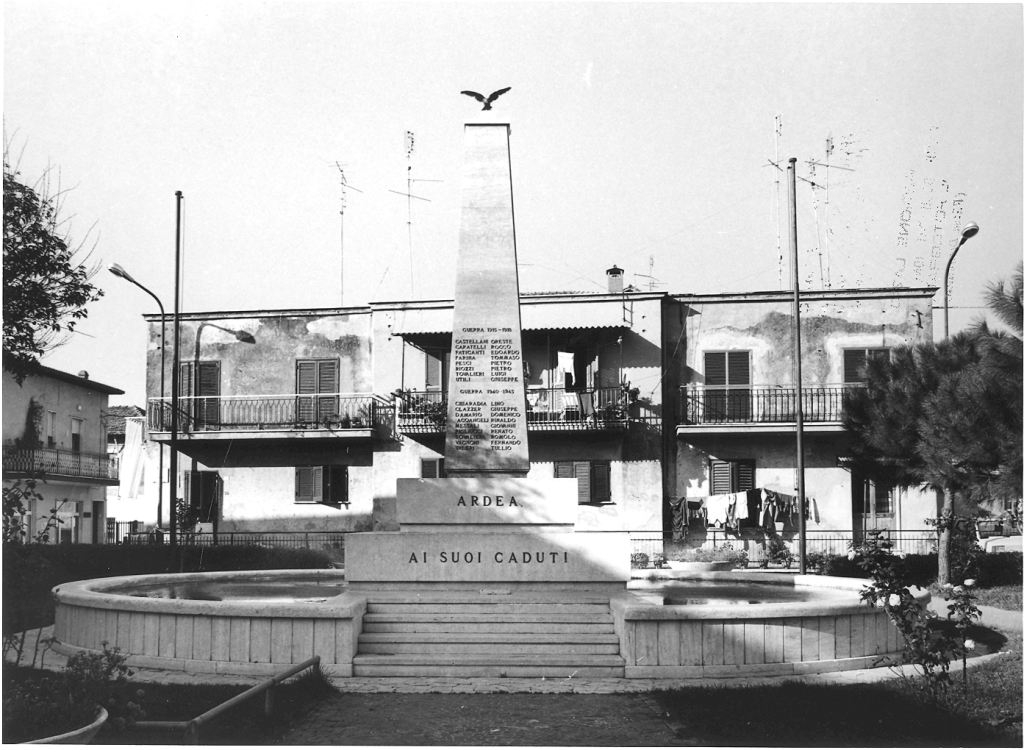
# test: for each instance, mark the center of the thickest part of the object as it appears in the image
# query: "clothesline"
(760, 507)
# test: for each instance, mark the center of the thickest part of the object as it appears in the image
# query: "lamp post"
(968, 231)
(121, 273)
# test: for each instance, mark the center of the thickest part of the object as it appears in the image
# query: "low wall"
(792, 638)
(228, 637)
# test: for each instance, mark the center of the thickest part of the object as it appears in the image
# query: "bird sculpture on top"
(487, 101)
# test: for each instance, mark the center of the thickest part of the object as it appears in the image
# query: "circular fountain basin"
(716, 625)
(230, 622)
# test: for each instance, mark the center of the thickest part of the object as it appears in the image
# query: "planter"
(701, 567)
(81, 736)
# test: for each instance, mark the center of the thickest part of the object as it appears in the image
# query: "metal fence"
(54, 462)
(205, 413)
(760, 404)
(118, 531)
(831, 542)
(322, 540)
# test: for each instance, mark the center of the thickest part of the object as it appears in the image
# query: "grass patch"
(894, 713)
(1002, 597)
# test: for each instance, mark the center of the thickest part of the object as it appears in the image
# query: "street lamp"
(121, 273)
(968, 231)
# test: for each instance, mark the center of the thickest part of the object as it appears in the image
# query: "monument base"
(421, 557)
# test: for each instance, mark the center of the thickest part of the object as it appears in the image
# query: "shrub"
(999, 568)
(725, 553)
(638, 560)
(776, 550)
(36, 707)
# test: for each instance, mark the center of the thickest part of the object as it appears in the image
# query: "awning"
(534, 317)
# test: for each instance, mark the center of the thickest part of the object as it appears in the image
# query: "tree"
(46, 288)
(947, 415)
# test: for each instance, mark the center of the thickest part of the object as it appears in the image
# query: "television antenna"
(410, 146)
(344, 201)
(651, 280)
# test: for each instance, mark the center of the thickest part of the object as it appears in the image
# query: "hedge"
(32, 570)
(991, 568)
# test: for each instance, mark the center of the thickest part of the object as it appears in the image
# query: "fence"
(118, 531)
(54, 462)
(326, 540)
(761, 404)
(831, 542)
(205, 413)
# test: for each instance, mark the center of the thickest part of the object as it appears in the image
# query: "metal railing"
(332, 540)
(334, 411)
(60, 463)
(118, 531)
(702, 404)
(191, 728)
(546, 409)
(830, 542)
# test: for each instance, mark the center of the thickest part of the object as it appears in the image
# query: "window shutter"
(853, 365)
(336, 491)
(305, 377)
(328, 376)
(185, 379)
(602, 482)
(303, 484)
(739, 368)
(432, 468)
(563, 470)
(714, 368)
(583, 479)
(744, 476)
(209, 379)
(318, 484)
(721, 477)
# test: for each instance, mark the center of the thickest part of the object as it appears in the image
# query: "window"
(436, 376)
(327, 485)
(725, 374)
(854, 361)
(319, 377)
(51, 429)
(203, 490)
(731, 476)
(76, 434)
(870, 498)
(593, 479)
(205, 409)
(432, 468)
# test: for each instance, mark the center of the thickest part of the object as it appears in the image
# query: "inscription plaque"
(486, 428)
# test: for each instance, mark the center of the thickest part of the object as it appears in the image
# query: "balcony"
(547, 410)
(750, 408)
(334, 413)
(50, 463)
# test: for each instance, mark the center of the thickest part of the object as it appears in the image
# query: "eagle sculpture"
(489, 99)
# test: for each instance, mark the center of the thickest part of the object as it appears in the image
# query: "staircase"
(440, 634)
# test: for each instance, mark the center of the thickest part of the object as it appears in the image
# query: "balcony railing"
(546, 409)
(750, 404)
(57, 463)
(320, 411)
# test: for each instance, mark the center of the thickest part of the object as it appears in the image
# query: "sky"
(642, 135)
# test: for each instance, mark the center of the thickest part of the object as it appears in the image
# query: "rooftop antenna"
(410, 146)
(344, 200)
(778, 202)
(651, 280)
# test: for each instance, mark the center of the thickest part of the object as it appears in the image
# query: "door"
(204, 411)
(727, 386)
(873, 507)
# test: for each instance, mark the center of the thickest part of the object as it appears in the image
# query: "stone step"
(469, 597)
(487, 670)
(510, 608)
(458, 628)
(569, 618)
(564, 666)
(487, 650)
(493, 638)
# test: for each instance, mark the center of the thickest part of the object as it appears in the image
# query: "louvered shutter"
(721, 477)
(328, 382)
(602, 483)
(714, 368)
(305, 383)
(581, 469)
(207, 407)
(304, 479)
(739, 368)
(336, 491)
(432, 468)
(853, 365)
(744, 476)
(563, 470)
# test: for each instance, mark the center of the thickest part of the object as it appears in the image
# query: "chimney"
(614, 280)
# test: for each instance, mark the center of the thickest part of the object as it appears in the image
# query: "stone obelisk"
(486, 429)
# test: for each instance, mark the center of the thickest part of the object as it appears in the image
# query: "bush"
(725, 553)
(32, 570)
(36, 707)
(638, 560)
(999, 569)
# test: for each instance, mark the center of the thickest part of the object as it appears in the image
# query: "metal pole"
(945, 290)
(802, 525)
(174, 371)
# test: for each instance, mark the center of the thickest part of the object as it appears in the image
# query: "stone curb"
(990, 616)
